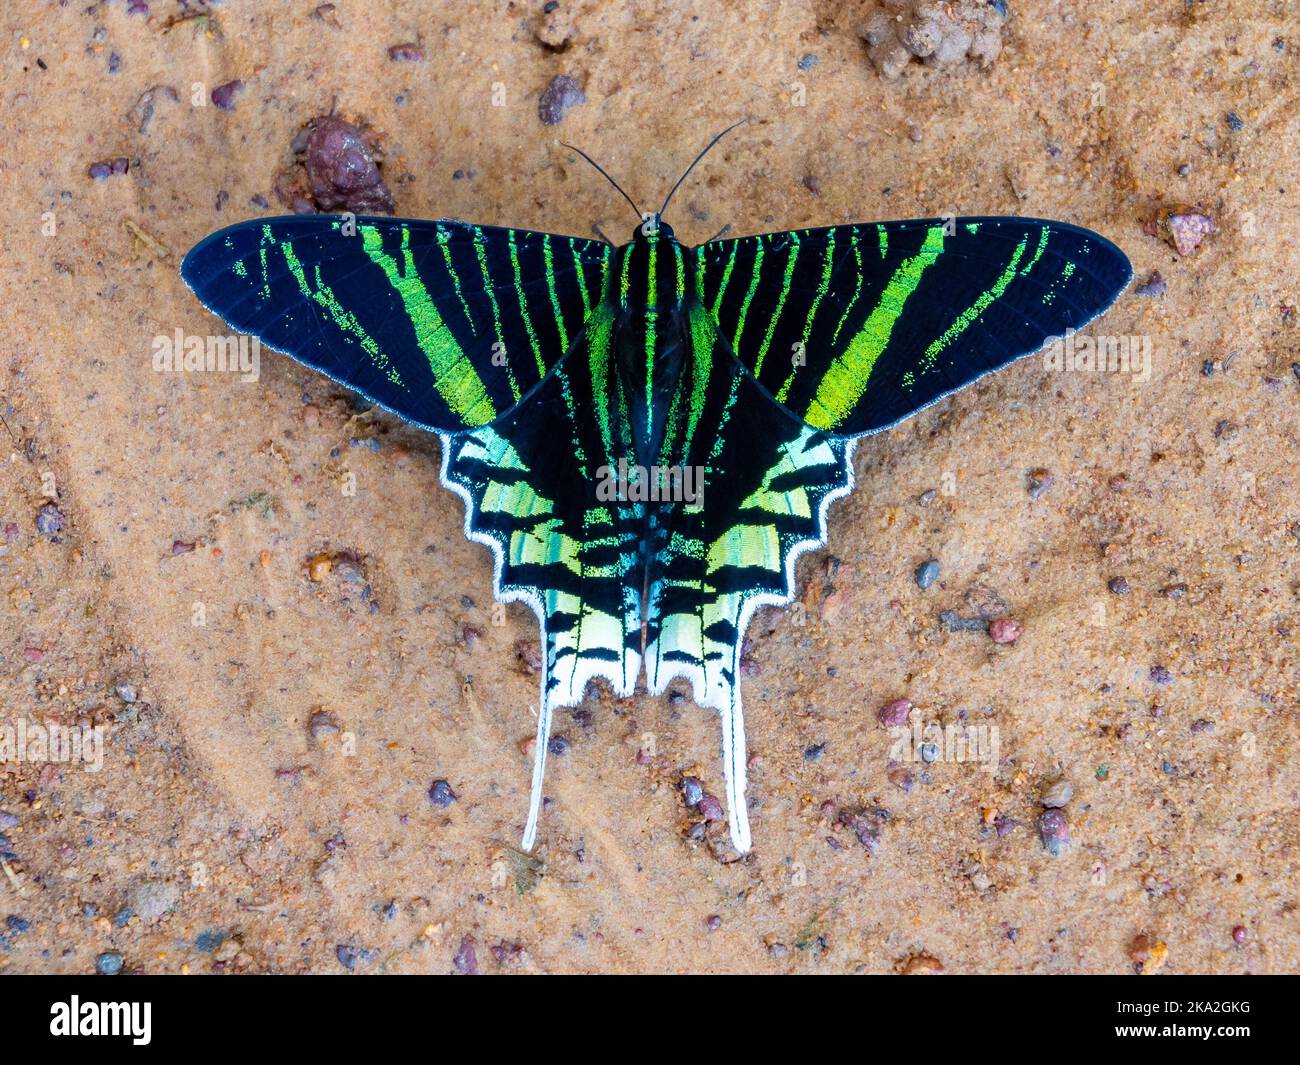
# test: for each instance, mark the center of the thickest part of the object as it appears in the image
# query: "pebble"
(8, 820)
(49, 522)
(558, 98)
(1002, 825)
(341, 170)
(713, 923)
(711, 808)
(807, 62)
(902, 779)
(1039, 481)
(692, 791)
(1058, 794)
(440, 793)
(1200, 725)
(814, 752)
(1240, 934)
(865, 827)
(406, 53)
(929, 752)
(1185, 228)
(1118, 585)
(109, 963)
(529, 655)
(152, 899)
(350, 957)
(126, 692)
(1148, 955)
(322, 724)
(954, 622)
(923, 965)
(1160, 675)
(894, 714)
(927, 573)
(1004, 630)
(223, 96)
(558, 746)
(1153, 286)
(1054, 831)
(465, 960)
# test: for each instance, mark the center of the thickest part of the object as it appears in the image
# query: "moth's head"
(652, 227)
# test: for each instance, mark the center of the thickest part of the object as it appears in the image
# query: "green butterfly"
(648, 436)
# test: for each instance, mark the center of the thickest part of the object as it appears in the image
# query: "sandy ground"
(221, 834)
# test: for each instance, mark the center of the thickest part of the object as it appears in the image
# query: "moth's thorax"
(649, 287)
(652, 271)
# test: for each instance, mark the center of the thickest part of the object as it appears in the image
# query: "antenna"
(606, 177)
(698, 158)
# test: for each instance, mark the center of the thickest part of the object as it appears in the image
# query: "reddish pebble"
(1186, 228)
(224, 95)
(1240, 934)
(1054, 831)
(1004, 630)
(465, 959)
(406, 53)
(891, 715)
(714, 922)
(711, 808)
(902, 779)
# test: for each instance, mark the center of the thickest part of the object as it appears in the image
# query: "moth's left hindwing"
(854, 328)
(443, 323)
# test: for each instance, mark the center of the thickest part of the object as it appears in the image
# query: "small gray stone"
(1058, 794)
(151, 899)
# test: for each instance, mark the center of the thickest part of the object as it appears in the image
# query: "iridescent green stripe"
(857, 287)
(780, 303)
(480, 252)
(755, 272)
(599, 344)
(444, 242)
(582, 279)
(555, 300)
(323, 296)
(523, 305)
(846, 378)
(726, 278)
(703, 337)
(454, 375)
(625, 281)
(1043, 236)
(883, 234)
(972, 313)
(651, 315)
(828, 261)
